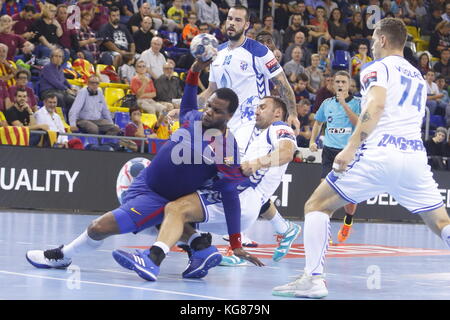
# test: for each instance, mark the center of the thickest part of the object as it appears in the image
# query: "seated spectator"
(69, 38)
(144, 35)
(53, 81)
(325, 63)
(416, 11)
(48, 30)
(89, 112)
(136, 19)
(99, 12)
(424, 64)
(127, 71)
(299, 41)
(117, 41)
(296, 26)
(434, 97)
(168, 88)
(208, 12)
(355, 30)
(300, 88)
(318, 29)
(435, 148)
(442, 67)
(354, 91)
(23, 22)
(13, 41)
(20, 114)
(47, 115)
(329, 7)
(144, 89)
(433, 19)
(359, 59)
(268, 26)
(87, 39)
(294, 68)
(338, 32)
(153, 58)
(306, 119)
(190, 30)
(327, 91)
(176, 13)
(22, 78)
(315, 75)
(9, 7)
(8, 68)
(135, 128)
(440, 39)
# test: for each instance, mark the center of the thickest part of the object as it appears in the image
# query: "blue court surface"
(380, 261)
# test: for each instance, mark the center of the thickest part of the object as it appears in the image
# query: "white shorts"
(251, 202)
(406, 176)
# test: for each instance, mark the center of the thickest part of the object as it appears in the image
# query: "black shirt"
(13, 114)
(142, 40)
(135, 20)
(120, 36)
(43, 29)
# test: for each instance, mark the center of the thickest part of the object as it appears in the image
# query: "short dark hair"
(342, 73)
(135, 108)
(228, 95)
(262, 34)
(279, 103)
(23, 71)
(50, 95)
(21, 90)
(29, 7)
(113, 9)
(394, 30)
(303, 77)
(240, 7)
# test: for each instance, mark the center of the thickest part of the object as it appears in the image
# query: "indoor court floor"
(380, 261)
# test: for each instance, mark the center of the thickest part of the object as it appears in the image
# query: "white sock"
(82, 244)
(316, 236)
(164, 247)
(280, 224)
(445, 235)
(194, 236)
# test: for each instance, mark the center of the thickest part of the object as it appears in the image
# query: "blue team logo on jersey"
(244, 65)
(248, 108)
(227, 60)
(330, 119)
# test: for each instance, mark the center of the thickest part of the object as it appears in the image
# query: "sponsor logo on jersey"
(283, 133)
(272, 65)
(368, 78)
(339, 130)
(244, 65)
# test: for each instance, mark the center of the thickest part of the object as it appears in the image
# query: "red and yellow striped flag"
(15, 136)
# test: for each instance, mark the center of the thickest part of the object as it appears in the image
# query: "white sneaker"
(303, 287)
(53, 258)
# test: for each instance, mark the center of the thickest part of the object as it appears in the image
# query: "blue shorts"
(141, 208)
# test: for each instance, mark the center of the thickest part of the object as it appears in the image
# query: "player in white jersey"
(246, 66)
(384, 154)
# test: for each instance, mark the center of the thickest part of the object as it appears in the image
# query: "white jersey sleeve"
(373, 74)
(268, 65)
(280, 131)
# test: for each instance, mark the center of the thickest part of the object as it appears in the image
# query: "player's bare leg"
(439, 222)
(88, 241)
(318, 210)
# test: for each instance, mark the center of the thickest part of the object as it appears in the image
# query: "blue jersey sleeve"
(188, 106)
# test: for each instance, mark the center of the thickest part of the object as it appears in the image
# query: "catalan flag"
(15, 136)
(8, 68)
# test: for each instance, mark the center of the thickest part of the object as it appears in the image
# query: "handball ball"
(129, 171)
(204, 46)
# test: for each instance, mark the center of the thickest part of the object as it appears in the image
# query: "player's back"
(405, 99)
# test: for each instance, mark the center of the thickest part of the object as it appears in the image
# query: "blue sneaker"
(201, 261)
(286, 240)
(139, 262)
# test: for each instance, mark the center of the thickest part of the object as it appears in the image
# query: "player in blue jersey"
(340, 114)
(199, 152)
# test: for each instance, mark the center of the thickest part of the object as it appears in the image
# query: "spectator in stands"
(355, 30)
(294, 27)
(47, 115)
(354, 88)
(23, 22)
(325, 63)
(329, 7)
(127, 71)
(145, 91)
(315, 75)
(359, 59)
(434, 97)
(300, 41)
(154, 59)
(48, 31)
(99, 12)
(432, 20)
(300, 88)
(312, 5)
(446, 15)
(281, 17)
(8, 68)
(424, 64)
(143, 36)
(416, 11)
(68, 39)
(5, 100)
(168, 87)
(327, 91)
(318, 29)
(22, 78)
(9, 7)
(89, 112)
(176, 13)
(20, 114)
(135, 128)
(435, 148)
(443, 89)
(117, 40)
(268, 26)
(208, 12)
(53, 81)
(440, 39)
(294, 68)
(306, 119)
(338, 32)
(13, 41)
(190, 30)
(442, 66)
(87, 39)
(135, 21)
